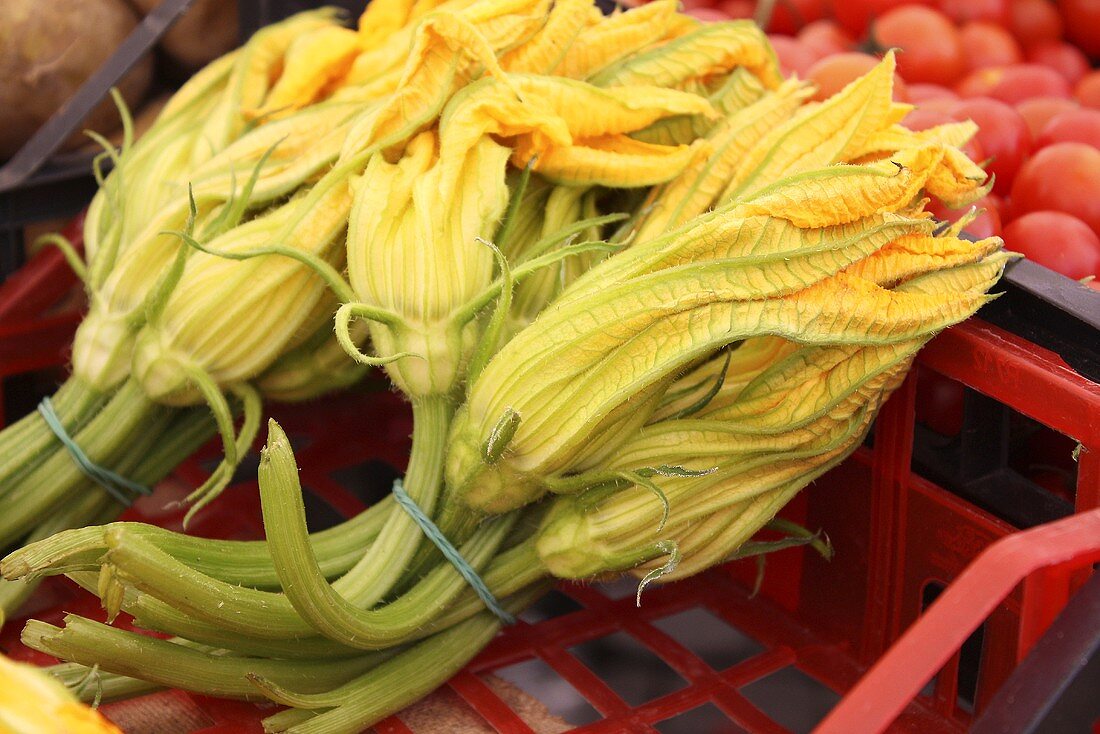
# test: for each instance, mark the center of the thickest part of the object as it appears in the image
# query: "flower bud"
(233, 318)
(593, 367)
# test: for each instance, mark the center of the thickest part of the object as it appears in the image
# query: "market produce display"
(639, 288)
(1018, 68)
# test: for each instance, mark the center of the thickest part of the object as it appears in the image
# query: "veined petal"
(819, 135)
(958, 181)
(610, 160)
(314, 62)
(916, 254)
(699, 186)
(543, 52)
(807, 384)
(748, 359)
(616, 36)
(708, 51)
(722, 235)
(590, 111)
(840, 194)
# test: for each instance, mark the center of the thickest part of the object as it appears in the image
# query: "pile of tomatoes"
(1020, 69)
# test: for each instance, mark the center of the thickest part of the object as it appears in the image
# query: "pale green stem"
(177, 666)
(29, 441)
(387, 559)
(399, 681)
(311, 595)
(179, 439)
(128, 417)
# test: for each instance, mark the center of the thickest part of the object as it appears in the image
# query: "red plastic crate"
(894, 534)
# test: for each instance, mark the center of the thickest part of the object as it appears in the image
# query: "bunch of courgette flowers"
(638, 290)
(168, 328)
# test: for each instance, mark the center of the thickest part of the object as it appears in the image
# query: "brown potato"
(47, 49)
(206, 31)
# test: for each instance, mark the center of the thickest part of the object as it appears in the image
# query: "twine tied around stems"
(119, 487)
(451, 553)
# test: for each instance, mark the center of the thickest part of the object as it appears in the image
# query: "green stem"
(177, 666)
(397, 682)
(306, 588)
(174, 599)
(387, 559)
(88, 684)
(105, 439)
(271, 615)
(153, 614)
(85, 509)
(179, 438)
(28, 442)
(236, 562)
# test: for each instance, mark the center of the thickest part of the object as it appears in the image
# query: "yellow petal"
(614, 37)
(314, 62)
(841, 194)
(590, 111)
(958, 181)
(699, 186)
(913, 255)
(711, 50)
(613, 160)
(33, 702)
(544, 52)
(820, 135)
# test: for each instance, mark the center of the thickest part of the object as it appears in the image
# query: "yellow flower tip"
(315, 63)
(31, 702)
(889, 61)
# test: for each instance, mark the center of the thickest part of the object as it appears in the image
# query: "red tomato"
(1057, 241)
(1062, 177)
(737, 8)
(707, 15)
(693, 4)
(985, 45)
(1034, 21)
(794, 58)
(1087, 90)
(1002, 135)
(825, 38)
(986, 224)
(964, 11)
(1012, 84)
(939, 404)
(1075, 126)
(923, 118)
(1065, 59)
(790, 15)
(944, 106)
(1082, 24)
(833, 73)
(1038, 111)
(919, 94)
(933, 52)
(856, 15)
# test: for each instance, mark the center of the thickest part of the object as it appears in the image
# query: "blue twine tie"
(114, 484)
(461, 564)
